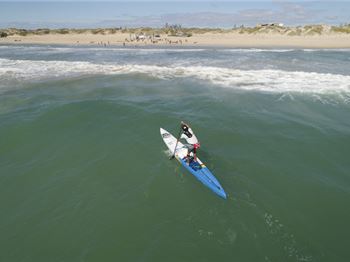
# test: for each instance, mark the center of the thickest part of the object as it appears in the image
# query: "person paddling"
(192, 141)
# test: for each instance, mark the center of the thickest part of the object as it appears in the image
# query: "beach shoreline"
(209, 40)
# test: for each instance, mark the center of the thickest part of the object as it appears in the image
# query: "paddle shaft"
(177, 141)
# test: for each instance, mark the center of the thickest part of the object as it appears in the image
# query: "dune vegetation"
(306, 30)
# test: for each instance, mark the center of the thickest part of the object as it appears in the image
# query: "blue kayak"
(196, 167)
(203, 174)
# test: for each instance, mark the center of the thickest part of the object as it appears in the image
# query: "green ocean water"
(85, 175)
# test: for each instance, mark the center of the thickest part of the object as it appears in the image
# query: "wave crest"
(259, 80)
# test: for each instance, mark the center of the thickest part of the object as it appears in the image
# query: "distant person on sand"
(192, 142)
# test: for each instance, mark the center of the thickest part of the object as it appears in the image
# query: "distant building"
(270, 24)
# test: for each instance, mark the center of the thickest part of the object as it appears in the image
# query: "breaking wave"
(277, 81)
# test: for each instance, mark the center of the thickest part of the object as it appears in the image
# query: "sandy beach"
(230, 39)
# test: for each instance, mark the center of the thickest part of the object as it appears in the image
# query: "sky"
(196, 13)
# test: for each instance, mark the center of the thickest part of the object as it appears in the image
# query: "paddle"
(177, 141)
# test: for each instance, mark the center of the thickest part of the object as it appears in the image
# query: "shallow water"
(84, 173)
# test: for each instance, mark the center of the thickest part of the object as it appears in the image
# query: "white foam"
(257, 50)
(326, 50)
(275, 81)
(283, 50)
(65, 49)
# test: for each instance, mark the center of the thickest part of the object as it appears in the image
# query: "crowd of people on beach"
(151, 39)
(143, 39)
